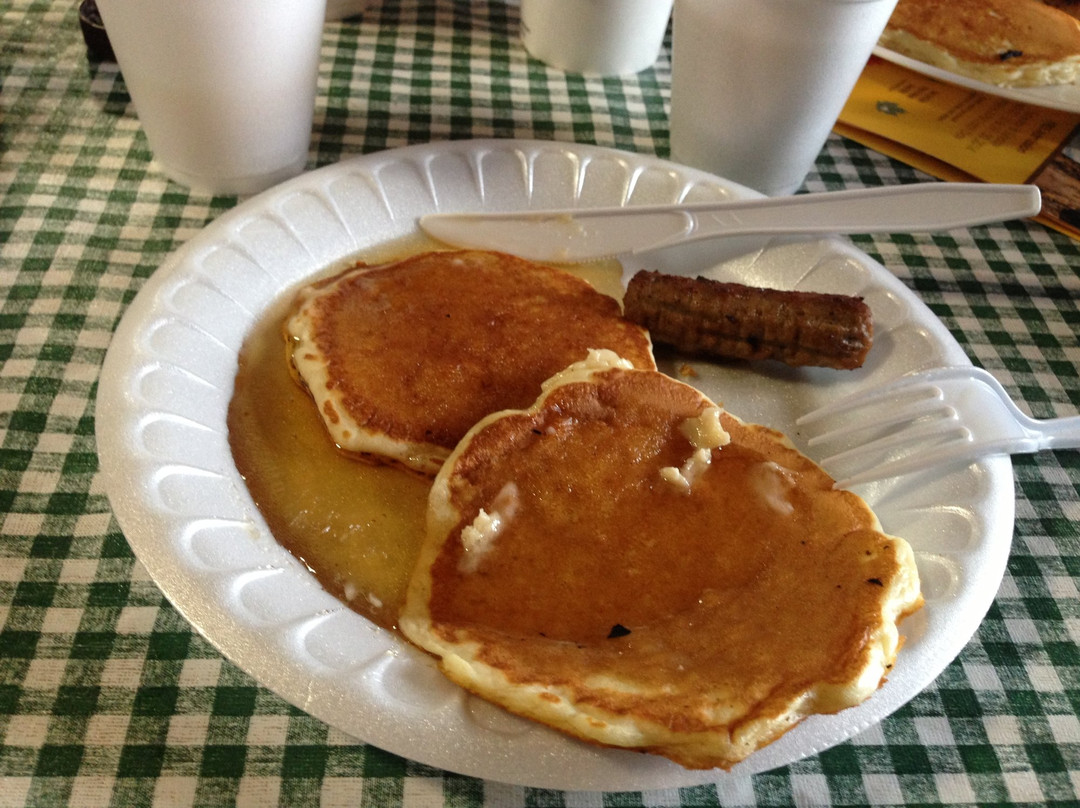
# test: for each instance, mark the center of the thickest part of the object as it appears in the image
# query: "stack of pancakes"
(1017, 43)
(608, 551)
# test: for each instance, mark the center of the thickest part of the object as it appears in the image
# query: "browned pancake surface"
(416, 352)
(1008, 42)
(694, 625)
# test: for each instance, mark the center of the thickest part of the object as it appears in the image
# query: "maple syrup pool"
(357, 527)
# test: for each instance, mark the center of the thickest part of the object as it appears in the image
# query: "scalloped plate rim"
(537, 756)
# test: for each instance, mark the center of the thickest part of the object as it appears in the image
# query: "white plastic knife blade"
(588, 234)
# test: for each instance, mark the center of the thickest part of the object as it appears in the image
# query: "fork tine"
(907, 438)
(899, 466)
(911, 386)
(920, 409)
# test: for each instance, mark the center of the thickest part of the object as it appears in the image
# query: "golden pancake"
(627, 563)
(402, 359)
(1070, 7)
(1018, 43)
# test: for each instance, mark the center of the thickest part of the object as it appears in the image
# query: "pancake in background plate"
(1071, 7)
(627, 563)
(402, 359)
(1015, 43)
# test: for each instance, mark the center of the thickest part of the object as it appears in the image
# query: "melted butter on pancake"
(705, 431)
(700, 624)
(402, 359)
(705, 434)
(477, 538)
(774, 484)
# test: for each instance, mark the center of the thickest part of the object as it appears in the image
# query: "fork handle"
(1056, 433)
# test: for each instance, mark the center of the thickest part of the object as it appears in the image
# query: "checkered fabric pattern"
(109, 698)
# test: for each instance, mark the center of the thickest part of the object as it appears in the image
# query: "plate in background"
(1065, 97)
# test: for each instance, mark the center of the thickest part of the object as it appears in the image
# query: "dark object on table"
(708, 318)
(98, 47)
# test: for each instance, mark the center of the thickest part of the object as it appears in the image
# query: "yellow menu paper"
(960, 134)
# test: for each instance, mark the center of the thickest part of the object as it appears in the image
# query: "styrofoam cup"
(224, 89)
(606, 37)
(758, 84)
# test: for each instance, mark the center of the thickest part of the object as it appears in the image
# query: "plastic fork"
(927, 419)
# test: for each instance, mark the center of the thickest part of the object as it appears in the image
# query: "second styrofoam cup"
(758, 84)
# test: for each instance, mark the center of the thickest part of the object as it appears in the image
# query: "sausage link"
(698, 316)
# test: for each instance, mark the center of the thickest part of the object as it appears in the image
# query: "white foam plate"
(1065, 97)
(165, 459)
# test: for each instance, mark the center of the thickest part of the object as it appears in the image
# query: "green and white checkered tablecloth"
(108, 697)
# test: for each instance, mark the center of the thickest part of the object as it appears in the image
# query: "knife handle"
(919, 207)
